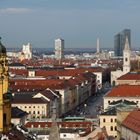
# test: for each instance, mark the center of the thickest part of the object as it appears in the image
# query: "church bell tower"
(5, 96)
(126, 57)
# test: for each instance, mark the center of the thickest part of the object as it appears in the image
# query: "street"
(90, 108)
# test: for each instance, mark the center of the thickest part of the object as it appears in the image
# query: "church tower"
(126, 57)
(5, 96)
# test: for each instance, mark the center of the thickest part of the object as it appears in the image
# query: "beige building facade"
(109, 122)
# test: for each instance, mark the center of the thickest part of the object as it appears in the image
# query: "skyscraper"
(59, 49)
(119, 41)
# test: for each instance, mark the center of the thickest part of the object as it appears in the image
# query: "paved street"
(92, 107)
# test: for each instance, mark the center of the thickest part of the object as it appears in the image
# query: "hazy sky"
(78, 22)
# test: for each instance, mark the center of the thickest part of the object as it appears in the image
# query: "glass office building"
(119, 41)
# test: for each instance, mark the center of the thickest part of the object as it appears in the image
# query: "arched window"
(111, 128)
(103, 120)
(111, 120)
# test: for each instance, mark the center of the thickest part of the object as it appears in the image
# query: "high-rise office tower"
(119, 41)
(59, 49)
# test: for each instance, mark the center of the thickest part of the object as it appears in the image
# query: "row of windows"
(31, 106)
(36, 112)
(114, 101)
(66, 126)
(111, 120)
(113, 129)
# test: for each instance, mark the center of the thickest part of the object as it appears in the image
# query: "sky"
(78, 22)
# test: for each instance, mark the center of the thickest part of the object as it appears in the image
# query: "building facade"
(123, 92)
(59, 49)
(27, 51)
(108, 121)
(119, 41)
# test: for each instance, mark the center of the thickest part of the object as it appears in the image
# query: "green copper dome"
(2, 48)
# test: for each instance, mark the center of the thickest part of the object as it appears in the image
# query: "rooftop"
(130, 76)
(124, 91)
(132, 121)
(17, 113)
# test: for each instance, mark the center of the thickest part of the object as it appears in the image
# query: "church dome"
(2, 48)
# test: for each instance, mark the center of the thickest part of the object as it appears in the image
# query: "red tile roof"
(125, 91)
(63, 124)
(130, 76)
(19, 71)
(38, 84)
(132, 121)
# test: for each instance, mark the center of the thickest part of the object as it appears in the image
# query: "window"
(111, 128)
(4, 118)
(126, 59)
(109, 102)
(32, 126)
(64, 135)
(113, 83)
(81, 125)
(33, 112)
(33, 106)
(115, 120)
(103, 120)
(25, 106)
(38, 112)
(115, 128)
(111, 120)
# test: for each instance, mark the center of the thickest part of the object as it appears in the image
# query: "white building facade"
(27, 51)
(59, 48)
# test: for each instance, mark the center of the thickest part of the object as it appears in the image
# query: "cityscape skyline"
(80, 23)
